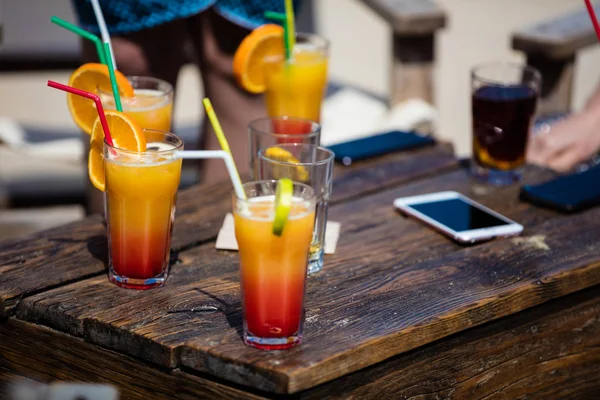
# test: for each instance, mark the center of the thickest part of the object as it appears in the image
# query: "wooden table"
(398, 312)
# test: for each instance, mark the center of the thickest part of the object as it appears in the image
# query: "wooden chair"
(414, 25)
(551, 47)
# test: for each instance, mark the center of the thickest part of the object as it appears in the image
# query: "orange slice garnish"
(126, 134)
(248, 62)
(91, 77)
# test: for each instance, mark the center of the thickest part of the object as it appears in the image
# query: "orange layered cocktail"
(273, 263)
(151, 105)
(295, 83)
(141, 189)
(296, 87)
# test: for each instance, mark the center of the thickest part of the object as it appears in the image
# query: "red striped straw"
(590, 9)
(91, 96)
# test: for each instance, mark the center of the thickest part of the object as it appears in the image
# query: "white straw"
(207, 154)
(103, 30)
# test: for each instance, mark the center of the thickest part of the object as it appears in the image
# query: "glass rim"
(503, 64)
(327, 160)
(314, 131)
(311, 191)
(322, 41)
(168, 88)
(147, 153)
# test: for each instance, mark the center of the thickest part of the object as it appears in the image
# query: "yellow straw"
(214, 121)
(291, 28)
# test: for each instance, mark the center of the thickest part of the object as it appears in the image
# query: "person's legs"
(157, 52)
(216, 40)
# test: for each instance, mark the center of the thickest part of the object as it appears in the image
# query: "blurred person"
(569, 142)
(157, 37)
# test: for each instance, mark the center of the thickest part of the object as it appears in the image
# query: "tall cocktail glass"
(296, 87)
(273, 268)
(309, 164)
(141, 189)
(151, 106)
(504, 101)
(270, 131)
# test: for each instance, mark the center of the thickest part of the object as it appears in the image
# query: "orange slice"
(265, 41)
(91, 77)
(126, 134)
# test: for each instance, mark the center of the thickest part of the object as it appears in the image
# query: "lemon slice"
(283, 204)
(295, 172)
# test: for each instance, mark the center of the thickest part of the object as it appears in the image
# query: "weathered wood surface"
(550, 351)
(44, 355)
(77, 251)
(393, 285)
(559, 38)
(409, 16)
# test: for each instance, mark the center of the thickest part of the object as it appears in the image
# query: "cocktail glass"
(296, 87)
(151, 106)
(273, 268)
(141, 189)
(504, 101)
(309, 164)
(270, 131)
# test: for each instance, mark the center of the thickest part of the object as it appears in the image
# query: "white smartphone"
(457, 216)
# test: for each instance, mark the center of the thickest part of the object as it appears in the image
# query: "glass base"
(138, 284)
(315, 262)
(272, 343)
(495, 176)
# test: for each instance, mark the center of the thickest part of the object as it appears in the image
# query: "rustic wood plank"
(559, 38)
(371, 248)
(409, 16)
(550, 351)
(49, 259)
(78, 250)
(45, 356)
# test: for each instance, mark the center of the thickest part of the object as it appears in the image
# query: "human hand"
(563, 145)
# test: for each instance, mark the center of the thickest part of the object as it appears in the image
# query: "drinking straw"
(590, 10)
(281, 18)
(103, 30)
(291, 31)
(215, 154)
(91, 96)
(84, 34)
(113, 79)
(214, 121)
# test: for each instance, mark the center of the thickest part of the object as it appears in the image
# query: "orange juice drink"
(141, 188)
(273, 268)
(151, 106)
(296, 87)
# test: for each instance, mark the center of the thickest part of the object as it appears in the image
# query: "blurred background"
(41, 175)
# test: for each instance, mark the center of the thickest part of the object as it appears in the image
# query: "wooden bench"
(414, 24)
(551, 47)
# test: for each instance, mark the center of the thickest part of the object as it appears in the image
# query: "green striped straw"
(84, 34)
(280, 18)
(113, 79)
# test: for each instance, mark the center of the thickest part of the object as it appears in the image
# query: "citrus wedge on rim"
(295, 172)
(284, 194)
(91, 77)
(248, 61)
(126, 134)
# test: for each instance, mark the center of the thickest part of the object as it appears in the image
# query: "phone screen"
(458, 215)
